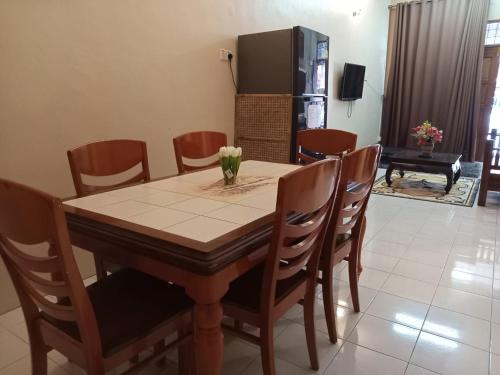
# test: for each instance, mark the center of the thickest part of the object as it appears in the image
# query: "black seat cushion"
(245, 291)
(128, 305)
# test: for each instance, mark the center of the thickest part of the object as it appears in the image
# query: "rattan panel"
(263, 126)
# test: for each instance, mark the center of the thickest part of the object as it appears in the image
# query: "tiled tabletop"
(197, 205)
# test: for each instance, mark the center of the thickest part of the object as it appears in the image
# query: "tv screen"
(352, 82)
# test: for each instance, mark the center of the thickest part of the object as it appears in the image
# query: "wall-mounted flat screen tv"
(352, 82)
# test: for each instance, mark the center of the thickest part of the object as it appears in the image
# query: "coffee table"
(439, 163)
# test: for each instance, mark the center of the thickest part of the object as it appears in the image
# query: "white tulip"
(221, 151)
(240, 151)
(226, 152)
(234, 152)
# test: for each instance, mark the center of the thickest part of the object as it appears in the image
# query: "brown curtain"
(433, 72)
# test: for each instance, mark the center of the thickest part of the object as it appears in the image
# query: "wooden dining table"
(190, 230)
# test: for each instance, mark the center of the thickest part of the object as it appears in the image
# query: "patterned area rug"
(429, 187)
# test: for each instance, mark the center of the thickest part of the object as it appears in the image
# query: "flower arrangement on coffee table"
(427, 135)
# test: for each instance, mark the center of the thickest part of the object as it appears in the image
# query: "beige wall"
(72, 71)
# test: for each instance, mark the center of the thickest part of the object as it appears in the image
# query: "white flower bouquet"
(230, 159)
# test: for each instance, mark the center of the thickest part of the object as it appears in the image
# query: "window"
(493, 33)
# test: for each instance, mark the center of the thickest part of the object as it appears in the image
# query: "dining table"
(190, 230)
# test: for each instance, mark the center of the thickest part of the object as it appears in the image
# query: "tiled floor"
(429, 298)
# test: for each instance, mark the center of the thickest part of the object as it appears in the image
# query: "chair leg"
(267, 349)
(309, 302)
(38, 357)
(328, 303)
(353, 280)
(361, 239)
(100, 271)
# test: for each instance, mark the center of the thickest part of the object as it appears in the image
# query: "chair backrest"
(47, 271)
(197, 145)
(358, 172)
(107, 158)
(324, 141)
(306, 193)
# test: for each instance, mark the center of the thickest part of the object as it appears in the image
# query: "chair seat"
(245, 292)
(129, 305)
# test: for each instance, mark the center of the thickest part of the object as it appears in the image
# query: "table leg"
(208, 339)
(449, 181)
(388, 174)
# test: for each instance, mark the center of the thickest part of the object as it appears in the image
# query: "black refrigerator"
(291, 61)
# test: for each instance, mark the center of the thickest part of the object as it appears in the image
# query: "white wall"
(72, 71)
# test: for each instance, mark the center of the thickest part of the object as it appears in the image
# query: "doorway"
(489, 125)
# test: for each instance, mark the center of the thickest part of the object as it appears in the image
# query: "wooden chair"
(105, 159)
(332, 142)
(345, 232)
(289, 273)
(197, 145)
(98, 327)
(490, 177)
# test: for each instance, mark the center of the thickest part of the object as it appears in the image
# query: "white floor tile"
(429, 258)
(370, 278)
(282, 368)
(468, 282)
(458, 327)
(238, 355)
(415, 370)
(385, 337)
(418, 271)
(12, 348)
(495, 338)
(463, 302)
(356, 360)
(449, 357)
(399, 310)
(346, 319)
(342, 295)
(495, 364)
(477, 266)
(439, 244)
(23, 367)
(409, 288)
(12, 317)
(470, 251)
(291, 346)
(495, 311)
(385, 248)
(395, 237)
(378, 261)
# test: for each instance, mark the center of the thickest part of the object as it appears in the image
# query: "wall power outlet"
(223, 54)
